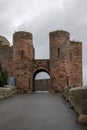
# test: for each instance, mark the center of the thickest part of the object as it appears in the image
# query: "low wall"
(6, 92)
(77, 96)
(78, 99)
(66, 92)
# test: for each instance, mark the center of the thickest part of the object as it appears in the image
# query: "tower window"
(22, 54)
(67, 81)
(58, 52)
(70, 56)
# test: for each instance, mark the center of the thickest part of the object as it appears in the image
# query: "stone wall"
(77, 97)
(7, 91)
(64, 66)
(76, 63)
(6, 51)
(4, 41)
(22, 46)
(41, 64)
(42, 85)
(65, 60)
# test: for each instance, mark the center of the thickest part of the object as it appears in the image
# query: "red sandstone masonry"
(64, 65)
(22, 43)
(76, 64)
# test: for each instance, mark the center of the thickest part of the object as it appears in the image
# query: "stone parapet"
(7, 91)
(82, 119)
(78, 99)
(66, 92)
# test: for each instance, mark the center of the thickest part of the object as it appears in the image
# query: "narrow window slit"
(58, 52)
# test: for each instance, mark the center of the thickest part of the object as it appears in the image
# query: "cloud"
(69, 18)
(41, 17)
(42, 75)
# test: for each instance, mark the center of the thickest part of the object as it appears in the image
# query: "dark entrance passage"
(41, 81)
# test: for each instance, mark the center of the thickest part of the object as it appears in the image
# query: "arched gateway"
(41, 84)
(64, 65)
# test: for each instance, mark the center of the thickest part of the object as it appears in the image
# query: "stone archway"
(41, 84)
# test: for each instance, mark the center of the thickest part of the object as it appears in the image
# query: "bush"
(1, 82)
(3, 76)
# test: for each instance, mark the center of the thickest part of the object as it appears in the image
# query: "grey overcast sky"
(42, 16)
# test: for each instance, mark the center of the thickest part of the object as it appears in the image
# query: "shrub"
(3, 76)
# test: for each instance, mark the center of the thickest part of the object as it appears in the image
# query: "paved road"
(37, 111)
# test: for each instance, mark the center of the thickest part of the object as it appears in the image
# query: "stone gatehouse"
(64, 66)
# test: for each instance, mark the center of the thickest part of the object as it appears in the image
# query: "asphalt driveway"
(37, 111)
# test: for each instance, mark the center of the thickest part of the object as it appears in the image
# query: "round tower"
(4, 41)
(59, 45)
(22, 46)
(59, 59)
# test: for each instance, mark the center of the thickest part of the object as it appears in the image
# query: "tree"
(3, 76)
